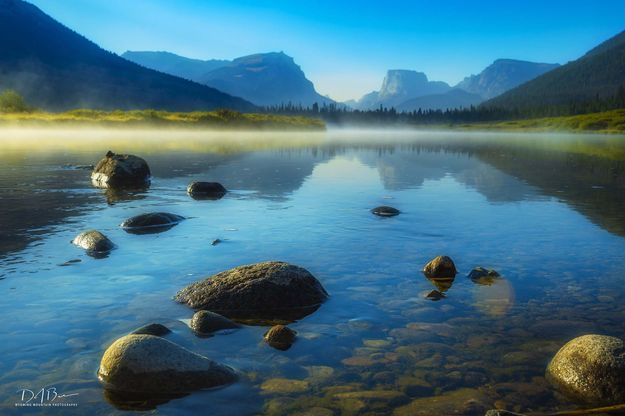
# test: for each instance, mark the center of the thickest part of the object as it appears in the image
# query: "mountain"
(56, 69)
(455, 98)
(264, 79)
(503, 75)
(399, 86)
(169, 63)
(600, 72)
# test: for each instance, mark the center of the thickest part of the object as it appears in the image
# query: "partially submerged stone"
(440, 267)
(121, 171)
(590, 369)
(207, 322)
(152, 329)
(151, 364)
(483, 276)
(206, 190)
(93, 241)
(270, 290)
(385, 211)
(280, 337)
(435, 295)
(153, 222)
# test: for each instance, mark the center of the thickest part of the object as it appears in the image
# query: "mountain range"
(266, 79)
(407, 90)
(597, 74)
(56, 69)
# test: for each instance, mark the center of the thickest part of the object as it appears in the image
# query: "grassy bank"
(221, 119)
(605, 122)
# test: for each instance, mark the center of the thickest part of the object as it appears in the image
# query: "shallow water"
(545, 211)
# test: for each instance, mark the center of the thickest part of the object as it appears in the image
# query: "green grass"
(221, 119)
(612, 122)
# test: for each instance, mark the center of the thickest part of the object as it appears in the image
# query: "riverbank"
(607, 122)
(218, 120)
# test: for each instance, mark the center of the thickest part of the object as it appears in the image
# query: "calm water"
(546, 212)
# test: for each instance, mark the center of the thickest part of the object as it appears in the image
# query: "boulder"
(121, 171)
(206, 322)
(265, 291)
(590, 369)
(440, 267)
(93, 241)
(280, 337)
(384, 211)
(153, 222)
(206, 190)
(152, 329)
(150, 364)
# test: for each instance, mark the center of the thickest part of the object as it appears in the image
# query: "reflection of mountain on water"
(592, 185)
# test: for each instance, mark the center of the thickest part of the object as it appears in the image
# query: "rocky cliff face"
(503, 75)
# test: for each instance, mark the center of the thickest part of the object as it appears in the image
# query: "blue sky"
(344, 47)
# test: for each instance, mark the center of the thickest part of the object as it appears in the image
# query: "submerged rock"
(152, 329)
(385, 211)
(120, 171)
(440, 267)
(483, 276)
(590, 369)
(206, 322)
(93, 241)
(150, 364)
(435, 295)
(153, 222)
(270, 290)
(206, 190)
(280, 337)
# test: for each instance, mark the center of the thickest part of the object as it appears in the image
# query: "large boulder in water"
(153, 222)
(121, 171)
(151, 364)
(266, 291)
(590, 369)
(94, 242)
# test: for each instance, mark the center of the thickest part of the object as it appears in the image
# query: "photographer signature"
(47, 396)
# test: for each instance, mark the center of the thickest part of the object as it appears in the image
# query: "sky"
(344, 47)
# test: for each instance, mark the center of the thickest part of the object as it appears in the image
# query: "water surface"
(545, 211)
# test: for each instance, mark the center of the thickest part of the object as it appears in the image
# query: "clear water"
(545, 211)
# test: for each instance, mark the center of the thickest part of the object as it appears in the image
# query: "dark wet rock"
(215, 242)
(483, 276)
(206, 322)
(152, 329)
(153, 222)
(280, 337)
(206, 190)
(150, 364)
(440, 267)
(270, 290)
(498, 412)
(590, 369)
(120, 171)
(93, 241)
(385, 211)
(435, 295)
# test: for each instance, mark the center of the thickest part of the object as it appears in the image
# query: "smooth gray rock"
(206, 190)
(152, 329)
(206, 322)
(150, 364)
(590, 369)
(280, 337)
(93, 241)
(153, 222)
(121, 171)
(270, 290)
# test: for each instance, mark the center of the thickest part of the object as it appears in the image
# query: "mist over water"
(545, 211)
